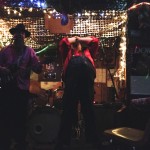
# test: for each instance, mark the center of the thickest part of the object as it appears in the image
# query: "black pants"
(13, 116)
(79, 87)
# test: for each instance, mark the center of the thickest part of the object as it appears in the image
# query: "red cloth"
(65, 50)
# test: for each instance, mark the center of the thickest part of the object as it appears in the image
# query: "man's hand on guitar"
(6, 77)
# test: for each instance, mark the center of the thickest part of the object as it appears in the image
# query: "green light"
(44, 49)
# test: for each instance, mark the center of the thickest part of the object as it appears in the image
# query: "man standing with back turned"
(78, 76)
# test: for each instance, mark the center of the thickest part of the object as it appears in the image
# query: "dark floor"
(106, 118)
(77, 144)
(78, 141)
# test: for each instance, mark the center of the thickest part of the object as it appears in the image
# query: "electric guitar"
(6, 79)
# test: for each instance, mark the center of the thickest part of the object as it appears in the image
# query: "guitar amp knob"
(50, 75)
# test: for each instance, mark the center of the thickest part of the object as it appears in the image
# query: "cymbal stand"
(78, 125)
(104, 57)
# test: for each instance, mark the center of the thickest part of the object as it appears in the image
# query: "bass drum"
(44, 124)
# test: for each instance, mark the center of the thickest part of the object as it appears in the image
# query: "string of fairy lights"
(104, 24)
(109, 23)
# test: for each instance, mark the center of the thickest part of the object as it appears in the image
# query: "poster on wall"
(138, 51)
(140, 70)
(55, 26)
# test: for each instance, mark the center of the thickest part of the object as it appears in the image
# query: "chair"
(124, 137)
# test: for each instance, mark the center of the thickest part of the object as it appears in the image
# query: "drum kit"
(44, 119)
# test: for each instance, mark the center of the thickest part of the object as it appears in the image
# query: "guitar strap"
(19, 60)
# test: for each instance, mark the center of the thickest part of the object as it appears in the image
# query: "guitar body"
(7, 81)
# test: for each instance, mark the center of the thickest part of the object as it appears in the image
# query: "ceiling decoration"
(68, 6)
(72, 6)
(24, 3)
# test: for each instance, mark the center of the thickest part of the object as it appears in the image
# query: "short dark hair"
(77, 42)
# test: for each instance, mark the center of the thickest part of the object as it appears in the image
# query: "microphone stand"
(102, 46)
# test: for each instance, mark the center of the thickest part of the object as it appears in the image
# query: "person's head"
(79, 45)
(19, 34)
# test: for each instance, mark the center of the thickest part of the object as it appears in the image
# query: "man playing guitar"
(16, 63)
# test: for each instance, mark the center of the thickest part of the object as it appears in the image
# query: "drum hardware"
(44, 120)
(79, 125)
(57, 98)
(42, 99)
